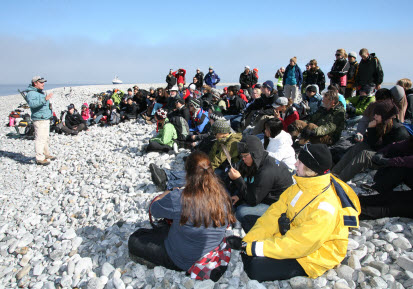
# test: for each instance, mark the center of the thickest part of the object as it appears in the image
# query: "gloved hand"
(358, 137)
(308, 133)
(235, 243)
(380, 160)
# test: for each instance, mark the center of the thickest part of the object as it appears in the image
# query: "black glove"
(308, 133)
(380, 160)
(236, 243)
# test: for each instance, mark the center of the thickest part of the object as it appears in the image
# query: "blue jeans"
(353, 121)
(235, 121)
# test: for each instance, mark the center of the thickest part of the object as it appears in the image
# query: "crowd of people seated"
(270, 156)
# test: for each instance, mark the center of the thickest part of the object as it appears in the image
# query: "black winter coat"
(73, 120)
(200, 77)
(315, 77)
(369, 71)
(247, 80)
(339, 69)
(236, 105)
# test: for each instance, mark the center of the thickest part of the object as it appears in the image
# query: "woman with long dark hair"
(200, 213)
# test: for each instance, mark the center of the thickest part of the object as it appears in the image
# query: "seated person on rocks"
(325, 126)
(86, 113)
(117, 96)
(257, 181)
(285, 111)
(139, 98)
(235, 108)
(155, 102)
(73, 121)
(406, 84)
(278, 143)
(218, 104)
(312, 100)
(113, 116)
(383, 130)
(180, 109)
(261, 109)
(199, 117)
(200, 214)
(224, 138)
(98, 112)
(368, 115)
(164, 141)
(306, 232)
(130, 111)
(356, 105)
(395, 162)
(341, 97)
(205, 141)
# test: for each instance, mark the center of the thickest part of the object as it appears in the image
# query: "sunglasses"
(337, 54)
(244, 155)
(305, 148)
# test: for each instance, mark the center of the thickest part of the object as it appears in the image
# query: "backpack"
(181, 127)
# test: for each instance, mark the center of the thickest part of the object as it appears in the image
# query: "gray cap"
(280, 101)
(352, 54)
(211, 68)
(397, 92)
(39, 79)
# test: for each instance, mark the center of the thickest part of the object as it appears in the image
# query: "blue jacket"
(212, 79)
(298, 75)
(39, 106)
(199, 127)
(313, 102)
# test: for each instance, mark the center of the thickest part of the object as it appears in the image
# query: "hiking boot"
(50, 158)
(175, 146)
(159, 177)
(75, 132)
(141, 261)
(44, 162)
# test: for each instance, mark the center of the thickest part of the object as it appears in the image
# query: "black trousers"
(390, 204)
(386, 179)
(157, 147)
(148, 244)
(268, 269)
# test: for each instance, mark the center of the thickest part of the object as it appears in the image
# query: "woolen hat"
(161, 113)
(352, 54)
(316, 157)
(268, 84)
(398, 93)
(247, 67)
(175, 87)
(221, 126)
(70, 106)
(215, 92)
(192, 86)
(386, 109)
(195, 102)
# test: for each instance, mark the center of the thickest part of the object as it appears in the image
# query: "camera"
(284, 223)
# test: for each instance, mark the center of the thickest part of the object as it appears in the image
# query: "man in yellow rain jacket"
(320, 208)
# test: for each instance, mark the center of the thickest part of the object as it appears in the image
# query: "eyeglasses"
(305, 148)
(338, 54)
(243, 156)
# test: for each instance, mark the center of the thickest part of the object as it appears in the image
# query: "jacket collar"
(313, 185)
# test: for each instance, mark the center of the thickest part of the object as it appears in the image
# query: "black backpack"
(181, 126)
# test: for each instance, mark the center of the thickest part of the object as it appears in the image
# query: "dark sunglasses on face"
(337, 54)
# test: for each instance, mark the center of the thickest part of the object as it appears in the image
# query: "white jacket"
(281, 149)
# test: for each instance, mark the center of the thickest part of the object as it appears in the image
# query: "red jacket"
(242, 95)
(180, 78)
(291, 115)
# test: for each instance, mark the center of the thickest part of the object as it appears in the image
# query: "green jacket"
(166, 135)
(361, 102)
(217, 155)
(329, 122)
(117, 97)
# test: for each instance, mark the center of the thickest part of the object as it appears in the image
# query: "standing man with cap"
(247, 79)
(41, 112)
(212, 79)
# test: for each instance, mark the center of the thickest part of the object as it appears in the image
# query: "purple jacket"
(400, 154)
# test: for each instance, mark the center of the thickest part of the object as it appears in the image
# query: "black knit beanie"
(316, 157)
(386, 109)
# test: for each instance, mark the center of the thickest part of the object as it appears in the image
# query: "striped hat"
(195, 102)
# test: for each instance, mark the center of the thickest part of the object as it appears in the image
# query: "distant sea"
(10, 89)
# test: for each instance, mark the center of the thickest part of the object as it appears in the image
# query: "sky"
(89, 42)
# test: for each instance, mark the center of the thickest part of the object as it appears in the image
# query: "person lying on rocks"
(328, 122)
(200, 214)
(383, 130)
(306, 232)
(258, 180)
(164, 141)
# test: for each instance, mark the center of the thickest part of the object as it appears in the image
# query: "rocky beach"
(67, 225)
